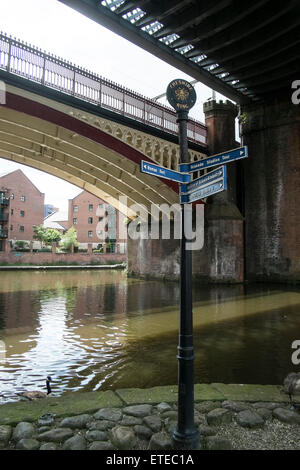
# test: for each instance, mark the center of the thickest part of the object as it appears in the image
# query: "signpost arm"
(186, 435)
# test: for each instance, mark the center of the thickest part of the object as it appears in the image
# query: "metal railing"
(19, 58)
(3, 216)
(4, 201)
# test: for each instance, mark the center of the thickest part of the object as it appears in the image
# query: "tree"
(69, 239)
(46, 235)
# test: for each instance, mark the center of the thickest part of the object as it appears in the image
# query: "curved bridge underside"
(92, 153)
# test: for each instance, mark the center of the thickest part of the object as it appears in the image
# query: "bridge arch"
(93, 153)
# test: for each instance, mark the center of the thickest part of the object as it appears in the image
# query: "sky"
(56, 28)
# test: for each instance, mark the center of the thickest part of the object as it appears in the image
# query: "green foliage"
(99, 249)
(46, 235)
(243, 118)
(69, 238)
(21, 245)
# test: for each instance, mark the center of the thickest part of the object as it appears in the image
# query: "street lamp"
(182, 97)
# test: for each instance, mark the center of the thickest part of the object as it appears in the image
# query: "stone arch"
(118, 133)
(166, 157)
(157, 152)
(148, 148)
(129, 138)
(174, 159)
(108, 129)
(138, 142)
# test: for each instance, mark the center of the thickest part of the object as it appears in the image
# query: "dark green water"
(98, 330)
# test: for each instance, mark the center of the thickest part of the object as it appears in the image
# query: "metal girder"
(213, 25)
(102, 15)
(44, 142)
(159, 13)
(194, 15)
(267, 66)
(218, 42)
(262, 54)
(248, 29)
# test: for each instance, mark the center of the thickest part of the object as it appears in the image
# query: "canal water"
(99, 330)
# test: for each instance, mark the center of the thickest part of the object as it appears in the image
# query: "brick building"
(4, 203)
(97, 222)
(25, 208)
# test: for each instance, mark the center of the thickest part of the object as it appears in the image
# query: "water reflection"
(100, 330)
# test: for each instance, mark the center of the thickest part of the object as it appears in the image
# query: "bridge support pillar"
(272, 190)
(153, 258)
(221, 258)
(223, 221)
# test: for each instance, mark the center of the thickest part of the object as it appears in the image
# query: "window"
(90, 220)
(23, 198)
(22, 213)
(11, 227)
(100, 232)
(100, 219)
(12, 196)
(91, 207)
(90, 234)
(75, 221)
(11, 212)
(75, 208)
(100, 206)
(21, 228)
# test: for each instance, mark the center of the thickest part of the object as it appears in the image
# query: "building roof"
(59, 216)
(7, 173)
(54, 225)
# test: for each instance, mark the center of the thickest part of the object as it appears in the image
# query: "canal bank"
(228, 416)
(62, 266)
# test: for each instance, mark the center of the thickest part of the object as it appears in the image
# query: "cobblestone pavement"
(222, 426)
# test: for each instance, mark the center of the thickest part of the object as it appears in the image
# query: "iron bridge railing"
(19, 58)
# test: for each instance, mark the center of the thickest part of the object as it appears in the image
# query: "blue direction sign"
(209, 178)
(162, 172)
(201, 193)
(224, 157)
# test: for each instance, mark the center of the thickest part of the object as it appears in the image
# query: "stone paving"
(223, 424)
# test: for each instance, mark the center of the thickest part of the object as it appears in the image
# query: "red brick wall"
(79, 258)
(33, 206)
(82, 201)
(272, 190)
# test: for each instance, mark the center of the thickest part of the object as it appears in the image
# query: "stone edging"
(89, 402)
(96, 266)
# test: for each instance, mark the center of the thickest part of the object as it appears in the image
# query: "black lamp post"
(182, 96)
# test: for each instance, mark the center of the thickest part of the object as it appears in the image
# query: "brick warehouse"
(97, 222)
(25, 208)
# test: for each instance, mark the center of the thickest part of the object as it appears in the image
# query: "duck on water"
(35, 395)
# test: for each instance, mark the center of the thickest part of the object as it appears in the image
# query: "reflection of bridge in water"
(106, 122)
